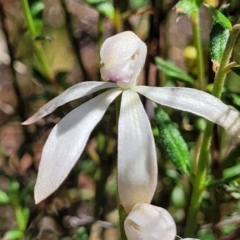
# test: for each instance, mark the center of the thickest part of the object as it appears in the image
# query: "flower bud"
(147, 222)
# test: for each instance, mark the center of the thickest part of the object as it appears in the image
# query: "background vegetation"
(50, 45)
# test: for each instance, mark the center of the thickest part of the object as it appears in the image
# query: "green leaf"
(25, 214)
(172, 141)
(37, 8)
(218, 17)
(232, 172)
(4, 199)
(106, 9)
(223, 181)
(186, 7)
(13, 234)
(13, 187)
(171, 70)
(235, 98)
(82, 233)
(218, 41)
(219, 34)
(38, 23)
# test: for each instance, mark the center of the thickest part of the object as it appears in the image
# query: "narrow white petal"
(147, 222)
(76, 91)
(67, 141)
(197, 102)
(137, 162)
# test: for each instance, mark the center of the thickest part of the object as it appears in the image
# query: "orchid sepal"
(197, 102)
(137, 160)
(67, 141)
(76, 91)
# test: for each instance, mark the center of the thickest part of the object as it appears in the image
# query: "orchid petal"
(67, 141)
(137, 162)
(197, 102)
(146, 221)
(123, 56)
(76, 91)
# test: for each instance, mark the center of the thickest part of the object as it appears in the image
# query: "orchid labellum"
(123, 57)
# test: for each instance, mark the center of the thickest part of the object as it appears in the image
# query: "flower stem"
(19, 218)
(199, 184)
(117, 21)
(198, 44)
(122, 216)
(100, 42)
(38, 49)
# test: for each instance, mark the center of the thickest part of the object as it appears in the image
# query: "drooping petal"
(137, 162)
(197, 102)
(123, 56)
(76, 91)
(67, 141)
(147, 222)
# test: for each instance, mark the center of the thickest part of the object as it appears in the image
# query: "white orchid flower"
(123, 57)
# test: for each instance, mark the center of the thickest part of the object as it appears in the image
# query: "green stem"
(42, 59)
(198, 44)
(38, 49)
(19, 218)
(199, 184)
(117, 21)
(28, 18)
(122, 216)
(100, 41)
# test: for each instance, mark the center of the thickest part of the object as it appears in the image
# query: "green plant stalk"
(100, 41)
(19, 218)
(199, 184)
(42, 59)
(117, 21)
(122, 216)
(38, 49)
(195, 20)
